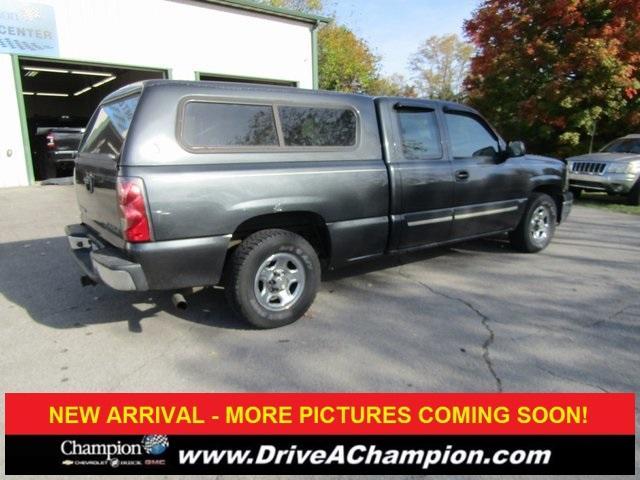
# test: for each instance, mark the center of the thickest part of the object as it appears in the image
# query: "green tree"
(556, 71)
(440, 66)
(392, 86)
(345, 62)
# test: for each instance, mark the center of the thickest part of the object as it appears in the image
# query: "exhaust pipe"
(179, 301)
(87, 281)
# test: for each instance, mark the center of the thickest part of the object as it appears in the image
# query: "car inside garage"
(59, 98)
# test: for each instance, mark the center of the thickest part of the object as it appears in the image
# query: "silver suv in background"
(615, 169)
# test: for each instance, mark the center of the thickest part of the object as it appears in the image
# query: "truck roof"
(202, 86)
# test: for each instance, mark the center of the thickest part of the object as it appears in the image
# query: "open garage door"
(59, 99)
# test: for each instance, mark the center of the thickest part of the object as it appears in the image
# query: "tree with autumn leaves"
(556, 72)
(346, 63)
(560, 74)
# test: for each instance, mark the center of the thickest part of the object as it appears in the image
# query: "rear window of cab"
(208, 126)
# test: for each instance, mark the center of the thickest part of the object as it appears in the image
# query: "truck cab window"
(420, 135)
(469, 137)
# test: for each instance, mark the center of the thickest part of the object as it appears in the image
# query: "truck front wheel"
(537, 226)
(272, 278)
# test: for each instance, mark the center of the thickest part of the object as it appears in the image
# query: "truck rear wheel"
(537, 226)
(272, 278)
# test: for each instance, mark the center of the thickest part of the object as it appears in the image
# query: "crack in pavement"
(486, 354)
(579, 382)
(622, 311)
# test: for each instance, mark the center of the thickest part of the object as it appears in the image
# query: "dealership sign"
(319, 433)
(28, 29)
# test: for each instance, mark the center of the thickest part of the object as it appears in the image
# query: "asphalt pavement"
(477, 317)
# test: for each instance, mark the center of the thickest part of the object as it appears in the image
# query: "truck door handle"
(89, 182)
(462, 175)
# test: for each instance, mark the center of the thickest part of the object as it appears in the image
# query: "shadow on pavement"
(418, 321)
(41, 277)
(485, 245)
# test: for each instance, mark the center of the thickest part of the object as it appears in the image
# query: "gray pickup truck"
(183, 184)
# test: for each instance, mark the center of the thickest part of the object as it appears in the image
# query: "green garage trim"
(23, 119)
(84, 62)
(314, 58)
(238, 78)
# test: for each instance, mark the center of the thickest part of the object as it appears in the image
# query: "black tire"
(524, 237)
(577, 193)
(633, 198)
(242, 281)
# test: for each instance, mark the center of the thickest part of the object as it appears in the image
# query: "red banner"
(320, 413)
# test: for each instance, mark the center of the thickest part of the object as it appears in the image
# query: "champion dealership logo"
(155, 444)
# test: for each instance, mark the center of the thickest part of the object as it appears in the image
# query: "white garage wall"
(13, 169)
(181, 36)
(185, 37)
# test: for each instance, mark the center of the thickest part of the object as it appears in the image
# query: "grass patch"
(607, 202)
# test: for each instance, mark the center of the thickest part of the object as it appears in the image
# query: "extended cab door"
(421, 174)
(490, 191)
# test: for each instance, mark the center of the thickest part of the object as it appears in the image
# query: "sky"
(395, 28)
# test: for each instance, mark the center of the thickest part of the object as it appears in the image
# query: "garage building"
(58, 58)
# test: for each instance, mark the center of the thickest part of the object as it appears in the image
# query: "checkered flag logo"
(30, 13)
(155, 444)
(21, 45)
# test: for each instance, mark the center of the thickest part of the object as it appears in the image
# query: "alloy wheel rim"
(540, 224)
(279, 282)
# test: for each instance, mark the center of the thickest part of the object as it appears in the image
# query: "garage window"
(108, 131)
(318, 127)
(211, 125)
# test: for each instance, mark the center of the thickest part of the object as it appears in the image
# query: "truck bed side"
(197, 195)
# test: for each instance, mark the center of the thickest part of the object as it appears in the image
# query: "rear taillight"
(133, 210)
(51, 141)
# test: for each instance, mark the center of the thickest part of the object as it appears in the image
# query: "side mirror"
(516, 149)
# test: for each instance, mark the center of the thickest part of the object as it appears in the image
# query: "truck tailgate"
(97, 197)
